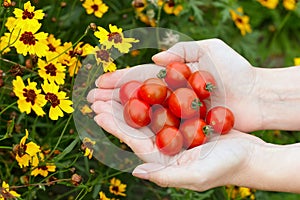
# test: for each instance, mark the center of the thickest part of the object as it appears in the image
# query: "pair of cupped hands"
(215, 163)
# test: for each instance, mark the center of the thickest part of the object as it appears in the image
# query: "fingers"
(187, 52)
(167, 176)
(137, 140)
(116, 79)
(99, 94)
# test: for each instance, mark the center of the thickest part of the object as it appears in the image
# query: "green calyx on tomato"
(162, 73)
(210, 87)
(196, 104)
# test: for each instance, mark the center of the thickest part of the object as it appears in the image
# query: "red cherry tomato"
(184, 103)
(161, 117)
(169, 140)
(175, 75)
(153, 91)
(221, 119)
(129, 90)
(194, 132)
(137, 113)
(202, 82)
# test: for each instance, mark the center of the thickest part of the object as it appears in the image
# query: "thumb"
(165, 176)
(181, 52)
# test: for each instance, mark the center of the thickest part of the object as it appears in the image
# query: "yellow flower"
(10, 23)
(6, 193)
(116, 187)
(86, 110)
(4, 44)
(114, 38)
(88, 147)
(58, 100)
(43, 170)
(28, 17)
(29, 41)
(25, 152)
(103, 56)
(290, 4)
(70, 58)
(241, 21)
(271, 4)
(145, 19)
(297, 61)
(53, 45)
(139, 5)
(170, 7)
(102, 196)
(52, 71)
(95, 6)
(29, 96)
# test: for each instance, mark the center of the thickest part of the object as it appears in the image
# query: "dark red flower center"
(27, 14)
(53, 99)
(51, 48)
(27, 38)
(103, 55)
(115, 36)
(115, 188)
(95, 7)
(30, 95)
(51, 69)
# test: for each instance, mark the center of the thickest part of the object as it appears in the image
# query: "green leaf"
(67, 150)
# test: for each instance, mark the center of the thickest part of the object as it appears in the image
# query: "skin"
(259, 98)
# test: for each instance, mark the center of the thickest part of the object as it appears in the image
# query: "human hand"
(209, 165)
(235, 77)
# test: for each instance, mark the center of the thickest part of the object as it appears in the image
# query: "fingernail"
(157, 56)
(140, 173)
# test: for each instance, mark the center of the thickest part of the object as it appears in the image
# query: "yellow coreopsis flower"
(53, 45)
(241, 21)
(58, 100)
(103, 56)
(297, 61)
(28, 17)
(271, 4)
(6, 193)
(290, 4)
(71, 55)
(29, 96)
(170, 7)
(43, 170)
(95, 6)
(103, 196)
(114, 38)
(26, 152)
(28, 41)
(88, 147)
(52, 71)
(11, 24)
(117, 187)
(4, 44)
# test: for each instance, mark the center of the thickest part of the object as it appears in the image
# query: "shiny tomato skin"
(177, 74)
(184, 103)
(137, 113)
(153, 91)
(129, 90)
(193, 132)
(202, 82)
(161, 117)
(221, 119)
(169, 140)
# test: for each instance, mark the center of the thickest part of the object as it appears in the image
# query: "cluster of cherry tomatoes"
(172, 105)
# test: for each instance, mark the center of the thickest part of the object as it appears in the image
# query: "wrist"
(272, 168)
(278, 94)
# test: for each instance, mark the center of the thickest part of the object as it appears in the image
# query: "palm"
(234, 75)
